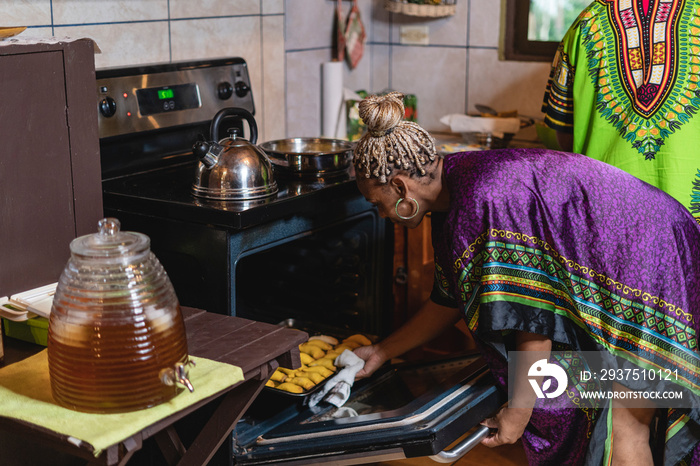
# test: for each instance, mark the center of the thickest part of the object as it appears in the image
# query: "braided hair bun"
(391, 142)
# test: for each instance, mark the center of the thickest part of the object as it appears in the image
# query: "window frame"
(516, 45)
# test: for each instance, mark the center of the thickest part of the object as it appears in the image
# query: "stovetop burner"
(170, 190)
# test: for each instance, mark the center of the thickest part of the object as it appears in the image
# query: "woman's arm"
(511, 422)
(428, 323)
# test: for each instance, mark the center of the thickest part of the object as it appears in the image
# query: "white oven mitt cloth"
(344, 412)
(336, 390)
(467, 124)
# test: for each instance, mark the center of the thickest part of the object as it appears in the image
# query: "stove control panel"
(144, 98)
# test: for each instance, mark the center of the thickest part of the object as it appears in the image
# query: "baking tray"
(312, 330)
(298, 396)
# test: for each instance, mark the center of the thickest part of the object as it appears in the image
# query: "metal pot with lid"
(233, 168)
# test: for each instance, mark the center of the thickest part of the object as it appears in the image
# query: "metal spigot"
(177, 375)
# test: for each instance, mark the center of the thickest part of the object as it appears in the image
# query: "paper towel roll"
(333, 104)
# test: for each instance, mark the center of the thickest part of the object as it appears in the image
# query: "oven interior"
(326, 277)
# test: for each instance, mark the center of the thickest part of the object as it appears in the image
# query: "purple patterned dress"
(577, 250)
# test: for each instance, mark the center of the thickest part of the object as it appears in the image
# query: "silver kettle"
(233, 168)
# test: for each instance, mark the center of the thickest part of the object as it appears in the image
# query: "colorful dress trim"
(621, 319)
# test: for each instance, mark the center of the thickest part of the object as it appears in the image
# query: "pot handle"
(237, 112)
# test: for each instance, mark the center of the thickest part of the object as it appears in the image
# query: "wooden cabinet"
(49, 160)
(415, 269)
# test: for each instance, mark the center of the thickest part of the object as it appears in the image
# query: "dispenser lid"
(110, 243)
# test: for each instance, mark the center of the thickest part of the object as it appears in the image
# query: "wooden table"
(257, 348)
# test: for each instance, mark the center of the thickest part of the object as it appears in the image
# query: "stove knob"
(108, 107)
(224, 90)
(242, 89)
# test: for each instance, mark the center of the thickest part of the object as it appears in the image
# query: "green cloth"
(625, 82)
(25, 394)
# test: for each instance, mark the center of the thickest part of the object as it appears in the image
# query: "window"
(533, 28)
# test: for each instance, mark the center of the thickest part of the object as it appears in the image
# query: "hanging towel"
(354, 36)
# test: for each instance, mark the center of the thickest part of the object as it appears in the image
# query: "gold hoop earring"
(396, 209)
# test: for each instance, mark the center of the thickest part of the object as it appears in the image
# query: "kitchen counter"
(257, 348)
(448, 142)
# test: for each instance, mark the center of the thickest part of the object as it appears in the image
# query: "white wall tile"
(103, 11)
(220, 37)
(398, 20)
(124, 44)
(309, 23)
(36, 32)
(484, 23)
(272, 7)
(381, 64)
(361, 76)
(436, 75)
(449, 30)
(25, 13)
(304, 92)
(452, 30)
(206, 8)
(285, 48)
(506, 85)
(215, 37)
(271, 96)
(377, 22)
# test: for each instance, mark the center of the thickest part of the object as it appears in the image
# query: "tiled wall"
(150, 31)
(285, 43)
(459, 68)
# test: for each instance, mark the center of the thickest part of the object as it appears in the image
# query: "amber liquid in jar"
(107, 363)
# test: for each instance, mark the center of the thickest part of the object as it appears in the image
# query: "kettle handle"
(234, 111)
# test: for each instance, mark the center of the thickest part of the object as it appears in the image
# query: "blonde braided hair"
(390, 141)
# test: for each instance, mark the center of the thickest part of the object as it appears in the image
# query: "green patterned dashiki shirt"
(626, 81)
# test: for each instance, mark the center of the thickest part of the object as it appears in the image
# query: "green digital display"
(172, 98)
(165, 94)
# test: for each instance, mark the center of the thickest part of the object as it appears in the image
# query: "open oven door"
(403, 411)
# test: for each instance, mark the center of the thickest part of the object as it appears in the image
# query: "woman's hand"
(510, 422)
(373, 356)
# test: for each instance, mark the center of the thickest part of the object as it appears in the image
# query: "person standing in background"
(625, 89)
